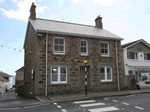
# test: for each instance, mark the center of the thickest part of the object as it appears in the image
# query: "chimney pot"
(98, 22)
(32, 11)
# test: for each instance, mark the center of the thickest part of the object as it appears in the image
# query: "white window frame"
(58, 52)
(58, 80)
(105, 68)
(102, 54)
(84, 54)
(134, 55)
(146, 57)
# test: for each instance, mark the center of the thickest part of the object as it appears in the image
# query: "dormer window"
(132, 55)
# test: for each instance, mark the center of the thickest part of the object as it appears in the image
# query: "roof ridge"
(66, 22)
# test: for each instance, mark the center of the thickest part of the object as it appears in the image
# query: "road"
(130, 103)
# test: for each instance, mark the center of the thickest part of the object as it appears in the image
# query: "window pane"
(145, 57)
(56, 40)
(84, 49)
(108, 70)
(54, 70)
(136, 56)
(56, 48)
(106, 45)
(102, 70)
(109, 76)
(54, 77)
(148, 56)
(102, 76)
(103, 45)
(61, 48)
(102, 51)
(63, 69)
(131, 55)
(83, 43)
(63, 77)
(61, 41)
(106, 51)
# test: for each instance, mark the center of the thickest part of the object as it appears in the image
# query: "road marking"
(125, 103)
(139, 108)
(64, 110)
(35, 106)
(10, 108)
(106, 98)
(130, 95)
(91, 104)
(114, 100)
(55, 103)
(12, 102)
(87, 101)
(59, 106)
(105, 109)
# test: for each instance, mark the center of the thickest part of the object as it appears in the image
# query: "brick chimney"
(32, 12)
(98, 22)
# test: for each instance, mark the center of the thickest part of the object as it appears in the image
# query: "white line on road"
(106, 98)
(59, 106)
(55, 103)
(35, 106)
(105, 109)
(91, 104)
(10, 108)
(139, 108)
(125, 103)
(64, 110)
(87, 101)
(114, 100)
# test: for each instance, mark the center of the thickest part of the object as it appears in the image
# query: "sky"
(128, 19)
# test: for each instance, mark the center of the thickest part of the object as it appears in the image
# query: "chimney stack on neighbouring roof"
(98, 22)
(32, 11)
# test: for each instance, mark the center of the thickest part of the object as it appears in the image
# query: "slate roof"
(2, 74)
(66, 28)
(20, 69)
(3, 79)
(130, 43)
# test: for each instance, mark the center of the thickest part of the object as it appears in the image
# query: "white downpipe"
(46, 65)
(117, 67)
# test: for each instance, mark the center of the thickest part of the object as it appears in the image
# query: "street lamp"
(85, 62)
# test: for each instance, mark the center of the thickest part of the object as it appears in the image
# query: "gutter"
(117, 66)
(46, 64)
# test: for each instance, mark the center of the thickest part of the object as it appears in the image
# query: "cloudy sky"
(128, 19)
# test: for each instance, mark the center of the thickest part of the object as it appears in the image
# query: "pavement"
(10, 99)
(82, 96)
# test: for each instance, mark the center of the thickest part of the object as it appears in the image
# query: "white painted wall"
(140, 62)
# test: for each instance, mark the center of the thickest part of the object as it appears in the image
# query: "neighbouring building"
(5, 82)
(137, 61)
(19, 78)
(54, 55)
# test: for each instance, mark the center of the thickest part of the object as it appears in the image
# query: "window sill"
(105, 81)
(59, 84)
(59, 53)
(133, 60)
(84, 54)
(105, 56)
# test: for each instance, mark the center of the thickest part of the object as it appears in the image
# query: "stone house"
(137, 61)
(19, 78)
(54, 55)
(5, 82)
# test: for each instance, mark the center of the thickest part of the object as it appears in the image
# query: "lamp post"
(85, 62)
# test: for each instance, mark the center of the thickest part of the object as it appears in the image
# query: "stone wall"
(72, 53)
